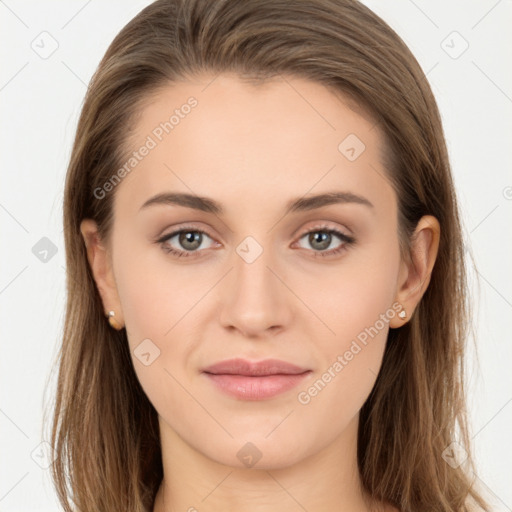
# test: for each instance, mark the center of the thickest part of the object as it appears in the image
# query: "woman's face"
(256, 279)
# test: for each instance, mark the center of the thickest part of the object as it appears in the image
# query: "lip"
(255, 380)
(240, 366)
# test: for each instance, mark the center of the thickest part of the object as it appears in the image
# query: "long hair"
(104, 430)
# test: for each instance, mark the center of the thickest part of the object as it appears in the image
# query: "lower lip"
(255, 388)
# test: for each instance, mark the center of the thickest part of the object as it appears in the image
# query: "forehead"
(222, 136)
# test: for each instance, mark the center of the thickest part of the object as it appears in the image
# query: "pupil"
(190, 237)
(325, 239)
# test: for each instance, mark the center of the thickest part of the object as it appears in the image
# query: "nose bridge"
(255, 298)
(251, 265)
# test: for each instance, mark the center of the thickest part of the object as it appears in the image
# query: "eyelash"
(348, 241)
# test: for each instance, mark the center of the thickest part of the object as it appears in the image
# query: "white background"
(40, 99)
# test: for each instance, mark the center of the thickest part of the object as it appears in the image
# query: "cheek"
(350, 360)
(356, 306)
(156, 294)
(158, 308)
(354, 294)
(162, 303)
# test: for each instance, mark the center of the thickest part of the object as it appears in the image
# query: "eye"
(322, 237)
(188, 239)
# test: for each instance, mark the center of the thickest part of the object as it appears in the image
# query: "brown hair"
(105, 430)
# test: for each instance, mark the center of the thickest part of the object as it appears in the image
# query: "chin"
(256, 452)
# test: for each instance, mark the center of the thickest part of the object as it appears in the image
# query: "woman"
(266, 286)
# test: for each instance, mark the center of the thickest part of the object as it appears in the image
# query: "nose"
(255, 300)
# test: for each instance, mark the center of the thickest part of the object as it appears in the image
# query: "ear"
(101, 266)
(414, 275)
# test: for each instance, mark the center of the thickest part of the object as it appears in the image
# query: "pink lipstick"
(255, 380)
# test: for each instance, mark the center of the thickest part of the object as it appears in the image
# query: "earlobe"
(101, 268)
(415, 274)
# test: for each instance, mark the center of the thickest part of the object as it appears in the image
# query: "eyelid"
(320, 225)
(185, 227)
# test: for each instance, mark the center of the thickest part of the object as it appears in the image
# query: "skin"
(253, 149)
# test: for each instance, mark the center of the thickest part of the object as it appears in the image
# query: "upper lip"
(257, 368)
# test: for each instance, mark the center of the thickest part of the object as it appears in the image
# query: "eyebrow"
(209, 205)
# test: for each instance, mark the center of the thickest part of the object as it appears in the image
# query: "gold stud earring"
(113, 323)
(402, 314)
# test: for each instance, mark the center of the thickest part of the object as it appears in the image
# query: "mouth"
(261, 380)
